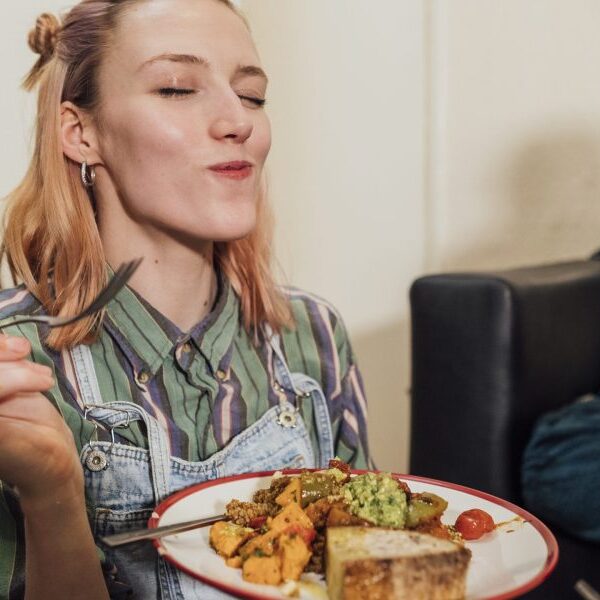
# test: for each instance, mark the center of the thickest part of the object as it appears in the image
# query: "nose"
(238, 131)
(231, 122)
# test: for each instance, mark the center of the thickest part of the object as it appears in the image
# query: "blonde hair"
(51, 240)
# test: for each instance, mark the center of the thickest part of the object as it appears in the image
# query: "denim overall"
(125, 483)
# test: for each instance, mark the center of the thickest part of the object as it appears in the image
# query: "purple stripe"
(237, 412)
(324, 342)
(158, 393)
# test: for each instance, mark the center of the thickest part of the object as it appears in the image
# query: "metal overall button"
(96, 461)
(288, 418)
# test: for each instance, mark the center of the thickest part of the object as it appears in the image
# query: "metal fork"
(586, 591)
(118, 539)
(119, 279)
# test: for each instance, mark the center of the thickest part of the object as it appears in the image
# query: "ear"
(79, 136)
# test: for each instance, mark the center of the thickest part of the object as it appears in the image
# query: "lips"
(239, 169)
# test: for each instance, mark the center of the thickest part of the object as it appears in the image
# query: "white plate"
(514, 559)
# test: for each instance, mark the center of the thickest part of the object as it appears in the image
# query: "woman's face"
(183, 137)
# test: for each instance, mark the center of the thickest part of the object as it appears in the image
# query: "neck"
(176, 279)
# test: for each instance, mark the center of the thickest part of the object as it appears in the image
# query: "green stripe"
(108, 359)
(302, 351)
(248, 382)
(256, 405)
(217, 340)
(343, 347)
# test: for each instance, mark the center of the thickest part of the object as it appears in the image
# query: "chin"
(230, 230)
(230, 235)
(222, 232)
(213, 226)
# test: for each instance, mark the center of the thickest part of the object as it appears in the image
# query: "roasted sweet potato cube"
(294, 556)
(262, 543)
(262, 569)
(235, 562)
(339, 516)
(291, 514)
(227, 537)
(291, 493)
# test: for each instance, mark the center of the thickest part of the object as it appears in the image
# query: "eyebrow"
(192, 59)
(251, 71)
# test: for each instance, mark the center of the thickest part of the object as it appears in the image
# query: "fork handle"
(157, 532)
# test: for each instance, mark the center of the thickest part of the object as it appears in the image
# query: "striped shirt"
(204, 386)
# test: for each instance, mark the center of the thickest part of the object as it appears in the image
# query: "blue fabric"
(561, 469)
(123, 490)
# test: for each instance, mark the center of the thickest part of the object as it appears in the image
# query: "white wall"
(347, 104)
(410, 136)
(16, 106)
(419, 136)
(516, 140)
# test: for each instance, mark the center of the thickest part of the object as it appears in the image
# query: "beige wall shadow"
(384, 361)
(550, 209)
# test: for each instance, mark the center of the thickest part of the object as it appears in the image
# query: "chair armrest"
(490, 353)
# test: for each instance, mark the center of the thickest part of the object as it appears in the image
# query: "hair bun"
(42, 38)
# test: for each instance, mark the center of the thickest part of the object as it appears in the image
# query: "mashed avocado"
(378, 499)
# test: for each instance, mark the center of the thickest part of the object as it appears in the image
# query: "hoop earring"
(88, 175)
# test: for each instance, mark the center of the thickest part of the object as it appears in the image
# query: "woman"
(151, 141)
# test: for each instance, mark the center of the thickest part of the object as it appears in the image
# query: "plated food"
(515, 558)
(370, 534)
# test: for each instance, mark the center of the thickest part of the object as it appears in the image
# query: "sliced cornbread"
(369, 563)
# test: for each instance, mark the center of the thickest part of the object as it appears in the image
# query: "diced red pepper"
(257, 522)
(341, 466)
(308, 534)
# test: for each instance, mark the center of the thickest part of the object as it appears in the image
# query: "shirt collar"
(147, 337)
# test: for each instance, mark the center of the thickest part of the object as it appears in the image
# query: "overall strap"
(119, 414)
(86, 375)
(281, 370)
(305, 387)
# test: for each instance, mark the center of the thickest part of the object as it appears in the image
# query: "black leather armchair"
(490, 353)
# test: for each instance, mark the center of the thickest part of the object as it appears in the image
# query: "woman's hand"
(37, 450)
(38, 455)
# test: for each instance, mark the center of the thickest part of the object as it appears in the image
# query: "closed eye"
(259, 102)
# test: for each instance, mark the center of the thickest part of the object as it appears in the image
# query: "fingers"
(13, 348)
(24, 376)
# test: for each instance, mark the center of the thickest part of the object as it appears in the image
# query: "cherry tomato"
(473, 523)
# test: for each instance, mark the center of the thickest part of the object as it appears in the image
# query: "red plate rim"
(541, 528)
